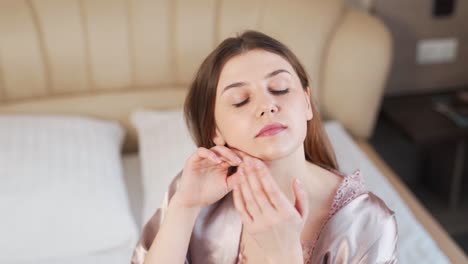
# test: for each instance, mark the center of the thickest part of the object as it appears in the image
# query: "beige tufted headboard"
(105, 58)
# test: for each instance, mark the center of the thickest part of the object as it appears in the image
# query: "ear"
(218, 138)
(309, 112)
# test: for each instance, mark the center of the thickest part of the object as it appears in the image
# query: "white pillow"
(164, 146)
(61, 188)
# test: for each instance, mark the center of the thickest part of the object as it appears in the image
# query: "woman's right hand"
(204, 178)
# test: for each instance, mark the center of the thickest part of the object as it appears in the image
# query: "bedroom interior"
(424, 113)
(91, 130)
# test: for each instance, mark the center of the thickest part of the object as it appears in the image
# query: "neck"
(285, 170)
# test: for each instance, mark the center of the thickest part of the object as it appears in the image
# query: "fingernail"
(299, 183)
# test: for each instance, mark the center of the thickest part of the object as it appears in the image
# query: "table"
(416, 116)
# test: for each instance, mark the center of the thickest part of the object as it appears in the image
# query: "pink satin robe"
(360, 229)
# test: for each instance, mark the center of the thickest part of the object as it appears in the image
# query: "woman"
(264, 185)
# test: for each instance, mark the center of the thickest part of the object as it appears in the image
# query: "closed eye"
(280, 92)
(285, 91)
(242, 103)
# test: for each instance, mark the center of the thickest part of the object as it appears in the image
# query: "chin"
(272, 152)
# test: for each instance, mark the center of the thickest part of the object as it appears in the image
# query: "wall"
(410, 21)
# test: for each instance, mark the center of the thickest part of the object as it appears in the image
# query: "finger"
(302, 201)
(229, 155)
(241, 153)
(258, 171)
(251, 205)
(203, 153)
(239, 203)
(234, 180)
(276, 197)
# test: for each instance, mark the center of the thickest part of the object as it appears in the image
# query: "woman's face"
(256, 89)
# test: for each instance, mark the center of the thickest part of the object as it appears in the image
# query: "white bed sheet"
(415, 244)
(114, 256)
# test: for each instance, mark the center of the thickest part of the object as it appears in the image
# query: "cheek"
(298, 115)
(233, 125)
(298, 106)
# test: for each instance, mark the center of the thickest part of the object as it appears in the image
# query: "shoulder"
(353, 198)
(368, 203)
(373, 217)
(363, 221)
(375, 223)
(379, 209)
(368, 228)
(351, 186)
(382, 221)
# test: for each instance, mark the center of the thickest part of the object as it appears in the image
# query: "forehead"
(251, 66)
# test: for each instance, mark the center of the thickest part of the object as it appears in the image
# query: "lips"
(271, 129)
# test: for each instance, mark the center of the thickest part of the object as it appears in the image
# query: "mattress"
(414, 244)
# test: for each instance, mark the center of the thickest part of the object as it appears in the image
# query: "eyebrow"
(239, 84)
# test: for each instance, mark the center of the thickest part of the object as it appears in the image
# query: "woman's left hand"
(266, 213)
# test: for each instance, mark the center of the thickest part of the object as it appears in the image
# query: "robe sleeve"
(386, 245)
(151, 228)
(363, 231)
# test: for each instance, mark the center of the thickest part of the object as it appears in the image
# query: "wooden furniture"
(417, 117)
(442, 238)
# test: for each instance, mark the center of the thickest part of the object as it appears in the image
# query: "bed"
(90, 99)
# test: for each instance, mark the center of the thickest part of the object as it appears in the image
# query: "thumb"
(302, 201)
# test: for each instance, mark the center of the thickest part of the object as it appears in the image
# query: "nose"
(267, 107)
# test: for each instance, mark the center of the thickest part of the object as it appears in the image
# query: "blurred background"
(423, 122)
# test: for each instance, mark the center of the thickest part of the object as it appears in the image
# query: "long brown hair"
(199, 104)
